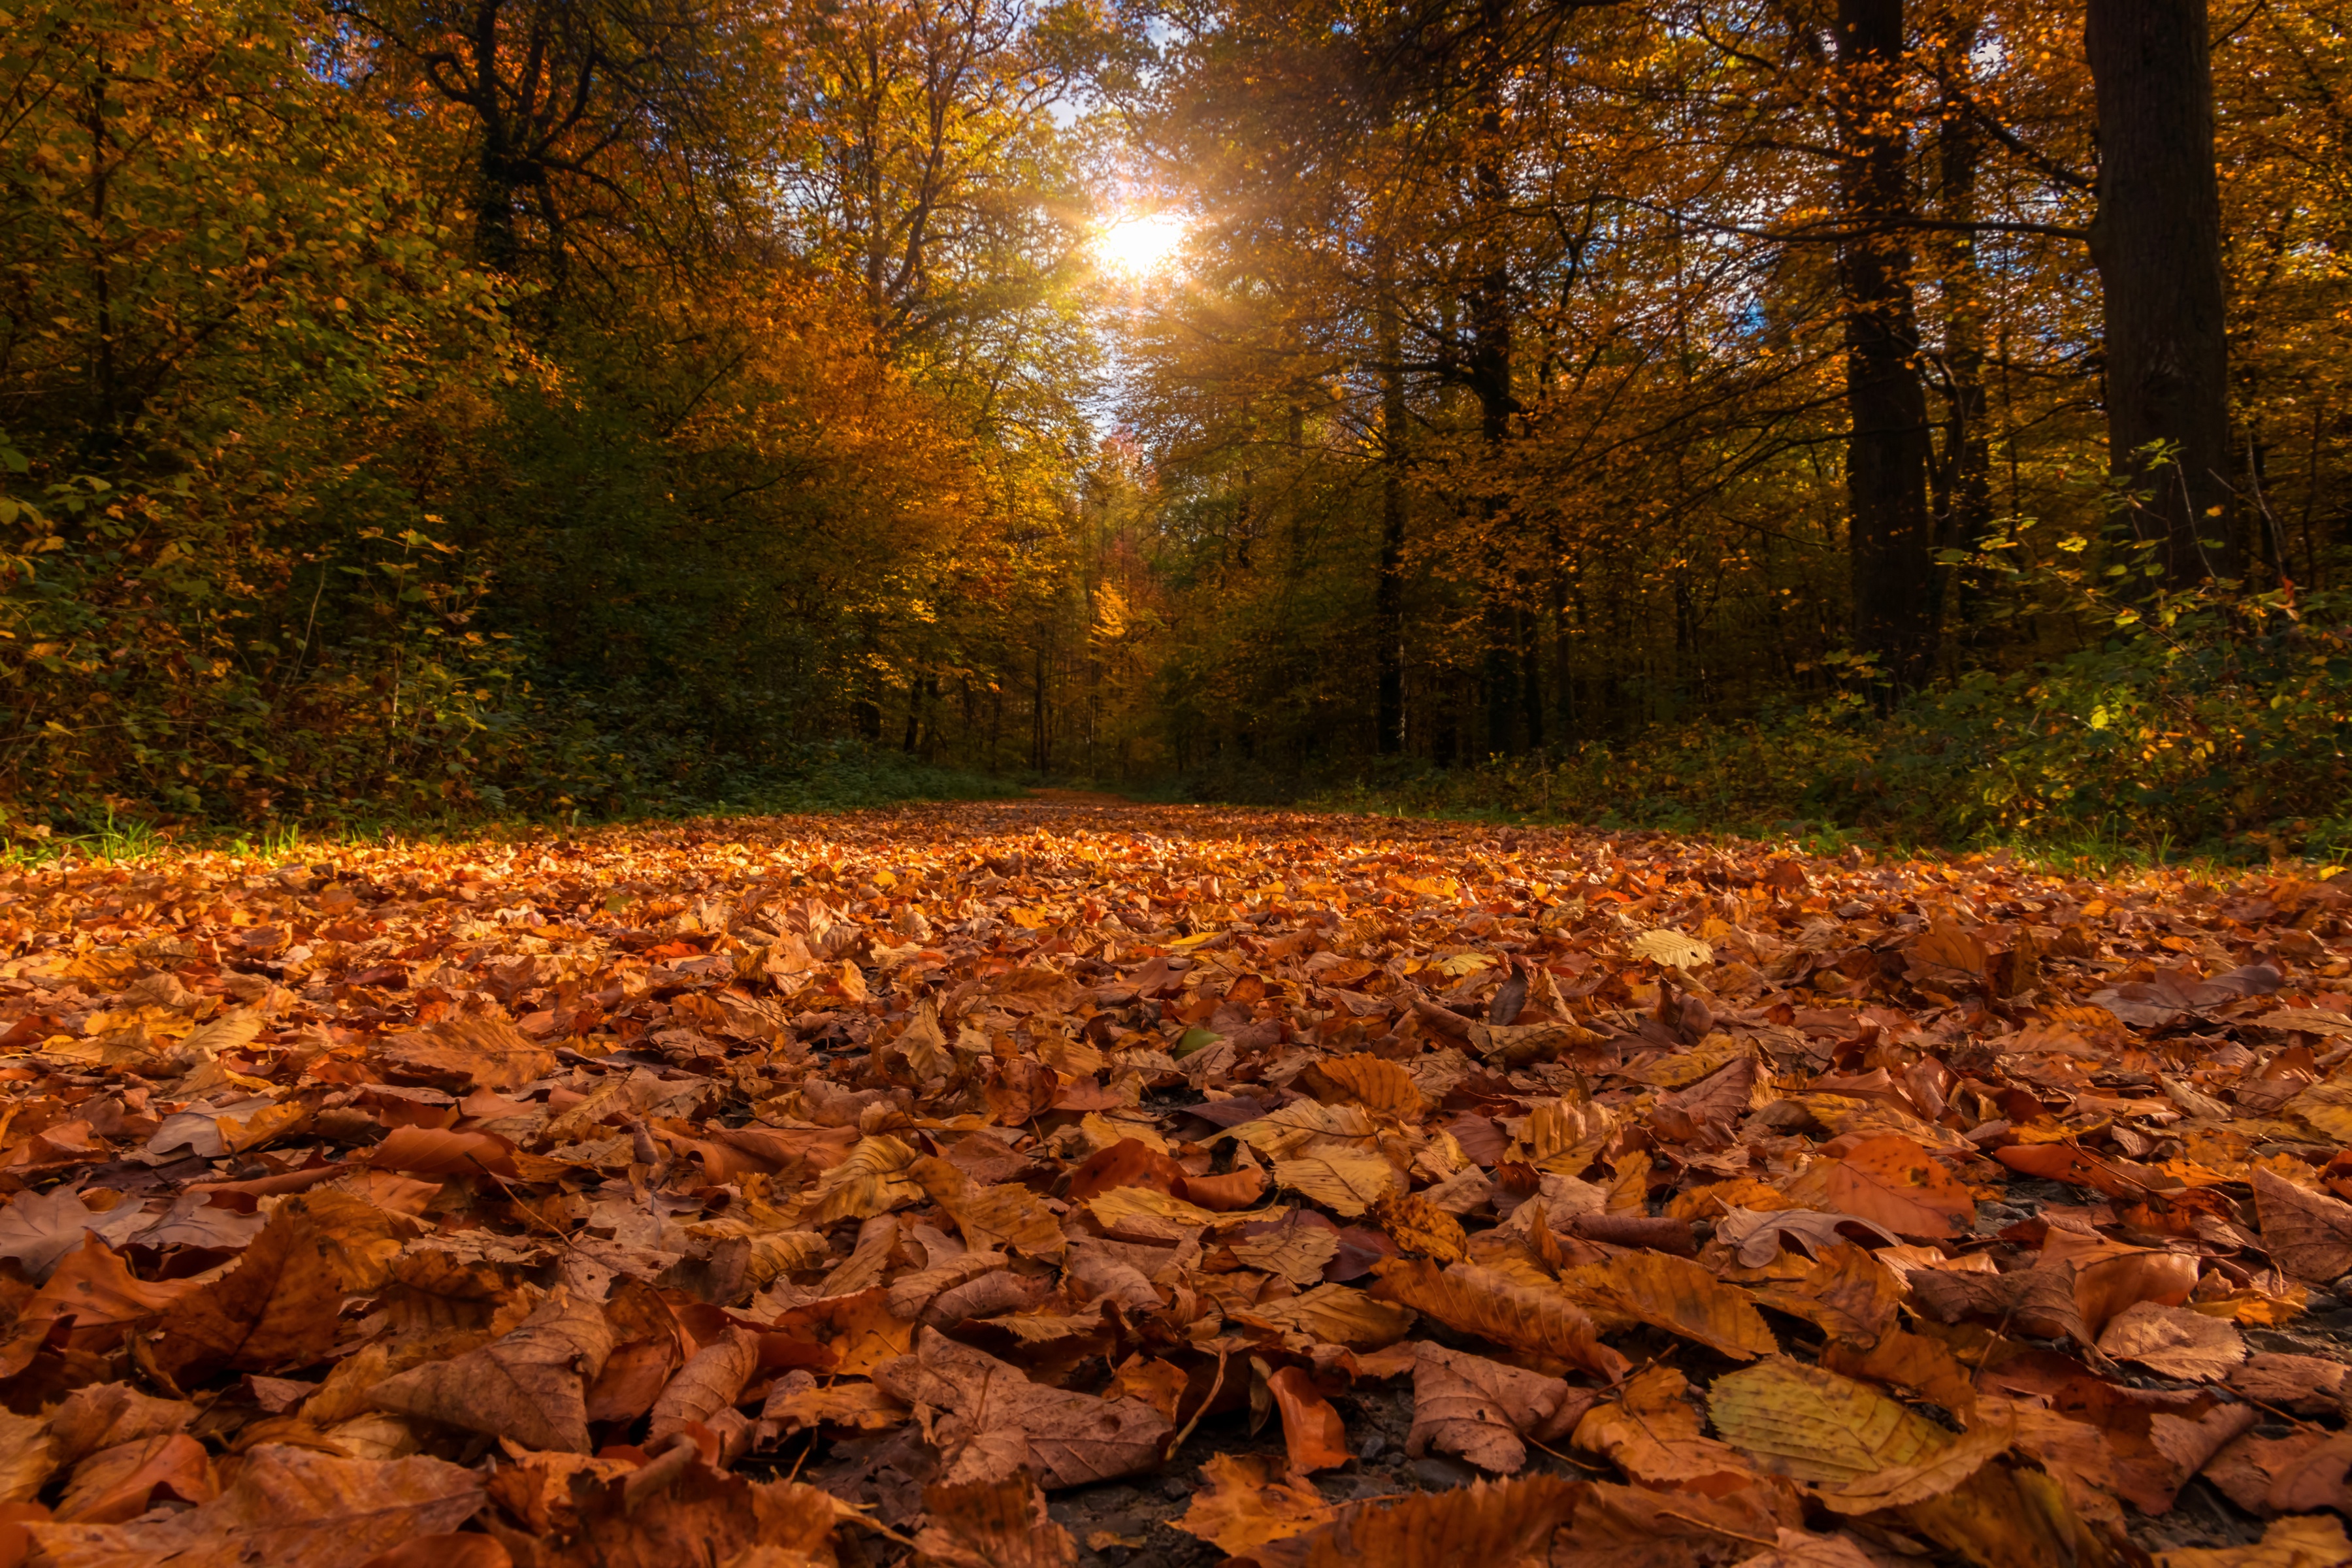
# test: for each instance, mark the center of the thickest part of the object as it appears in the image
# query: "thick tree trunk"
(1887, 450)
(2158, 244)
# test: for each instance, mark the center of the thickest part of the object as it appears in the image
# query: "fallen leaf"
(2174, 1341)
(993, 1525)
(1347, 1185)
(1244, 1506)
(1652, 1432)
(1866, 1451)
(1484, 1521)
(1475, 1301)
(711, 1382)
(291, 1506)
(1889, 1181)
(1312, 1433)
(1679, 1296)
(2308, 1234)
(1003, 1423)
(530, 1384)
(1481, 1409)
(2312, 1541)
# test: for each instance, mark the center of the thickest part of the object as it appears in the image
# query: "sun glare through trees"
(1151, 783)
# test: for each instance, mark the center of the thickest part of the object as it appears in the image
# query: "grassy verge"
(824, 780)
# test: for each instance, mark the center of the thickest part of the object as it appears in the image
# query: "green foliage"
(2204, 723)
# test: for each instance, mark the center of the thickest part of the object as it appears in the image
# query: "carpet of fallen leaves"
(1026, 1184)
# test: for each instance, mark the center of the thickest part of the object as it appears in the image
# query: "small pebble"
(1371, 1447)
(1175, 1489)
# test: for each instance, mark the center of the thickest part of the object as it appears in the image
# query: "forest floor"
(1062, 1180)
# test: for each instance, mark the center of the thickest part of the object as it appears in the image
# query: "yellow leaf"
(1378, 1085)
(1866, 1451)
(1672, 949)
(993, 1219)
(1347, 1185)
(873, 1180)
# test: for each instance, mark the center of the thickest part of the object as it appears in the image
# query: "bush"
(2207, 720)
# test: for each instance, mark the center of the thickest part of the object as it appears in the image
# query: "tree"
(1887, 451)
(2157, 245)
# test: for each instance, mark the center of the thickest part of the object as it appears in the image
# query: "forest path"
(1376, 1153)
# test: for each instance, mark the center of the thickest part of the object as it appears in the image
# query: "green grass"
(832, 780)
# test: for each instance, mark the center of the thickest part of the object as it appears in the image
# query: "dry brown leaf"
(1678, 1295)
(1297, 1252)
(1244, 1506)
(448, 1550)
(1487, 1522)
(472, 1051)
(1481, 1409)
(436, 1152)
(1800, 1549)
(122, 1482)
(2307, 1385)
(1420, 1226)
(279, 1305)
(1849, 1295)
(1380, 1086)
(2312, 1541)
(28, 1457)
(2308, 1234)
(1002, 1423)
(859, 1331)
(531, 1385)
(695, 1515)
(1652, 1432)
(711, 1382)
(2174, 1342)
(286, 1506)
(993, 1525)
(2002, 1517)
(1475, 1301)
(1337, 1315)
(1889, 1181)
(993, 1219)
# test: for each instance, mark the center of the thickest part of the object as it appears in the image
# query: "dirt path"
(1073, 1143)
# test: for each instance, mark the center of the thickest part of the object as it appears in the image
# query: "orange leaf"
(1312, 1432)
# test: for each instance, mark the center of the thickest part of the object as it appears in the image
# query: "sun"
(1141, 244)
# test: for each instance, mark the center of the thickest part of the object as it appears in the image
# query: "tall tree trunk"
(1887, 450)
(1387, 594)
(2158, 244)
(1490, 375)
(1964, 474)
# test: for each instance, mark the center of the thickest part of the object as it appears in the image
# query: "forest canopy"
(1934, 412)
